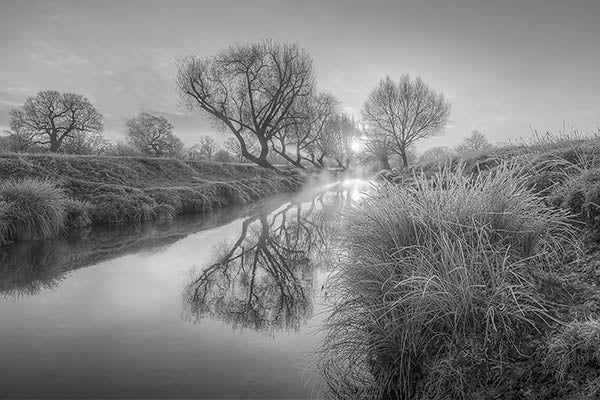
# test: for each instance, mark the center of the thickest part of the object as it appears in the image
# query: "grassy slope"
(123, 189)
(565, 174)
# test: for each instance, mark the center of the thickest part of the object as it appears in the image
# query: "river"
(223, 305)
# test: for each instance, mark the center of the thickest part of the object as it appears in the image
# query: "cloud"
(56, 55)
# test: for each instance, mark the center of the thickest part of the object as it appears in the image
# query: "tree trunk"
(385, 162)
(404, 157)
(54, 143)
(297, 163)
(320, 160)
(261, 160)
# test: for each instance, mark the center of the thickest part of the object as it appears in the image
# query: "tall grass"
(30, 209)
(437, 289)
(580, 193)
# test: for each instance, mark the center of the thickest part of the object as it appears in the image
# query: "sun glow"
(356, 145)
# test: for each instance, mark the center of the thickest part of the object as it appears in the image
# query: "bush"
(440, 277)
(573, 354)
(31, 209)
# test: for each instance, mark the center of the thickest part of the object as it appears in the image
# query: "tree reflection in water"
(264, 280)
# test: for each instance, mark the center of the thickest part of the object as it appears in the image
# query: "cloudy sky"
(506, 66)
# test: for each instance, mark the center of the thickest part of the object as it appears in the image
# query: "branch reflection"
(265, 279)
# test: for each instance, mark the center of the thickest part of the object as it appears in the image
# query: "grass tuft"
(437, 290)
(573, 354)
(31, 209)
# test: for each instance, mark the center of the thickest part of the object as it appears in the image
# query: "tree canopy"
(403, 112)
(476, 141)
(153, 135)
(51, 117)
(249, 89)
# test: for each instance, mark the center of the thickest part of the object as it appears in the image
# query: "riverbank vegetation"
(473, 278)
(42, 194)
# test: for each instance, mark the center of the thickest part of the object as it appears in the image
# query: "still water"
(224, 305)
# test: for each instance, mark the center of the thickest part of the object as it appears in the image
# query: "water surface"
(225, 305)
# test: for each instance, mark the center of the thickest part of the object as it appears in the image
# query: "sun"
(356, 145)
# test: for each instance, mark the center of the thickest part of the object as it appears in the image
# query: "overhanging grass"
(31, 209)
(437, 290)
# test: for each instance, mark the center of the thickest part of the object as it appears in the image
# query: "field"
(43, 194)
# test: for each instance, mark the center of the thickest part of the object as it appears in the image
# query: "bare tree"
(251, 88)
(93, 143)
(336, 140)
(122, 149)
(312, 134)
(476, 141)
(405, 112)
(377, 149)
(232, 145)
(208, 146)
(51, 117)
(17, 142)
(223, 156)
(153, 135)
(194, 152)
(435, 154)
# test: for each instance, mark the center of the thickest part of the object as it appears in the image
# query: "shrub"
(436, 275)
(32, 208)
(573, 354)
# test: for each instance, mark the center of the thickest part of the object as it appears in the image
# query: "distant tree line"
(264, 98)
(473, 144)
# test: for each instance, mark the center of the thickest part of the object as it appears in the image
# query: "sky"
(507, 67)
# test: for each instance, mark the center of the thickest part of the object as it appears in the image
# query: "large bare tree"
(405, 112)
(51, 117)
(250, 88)
(153, 135)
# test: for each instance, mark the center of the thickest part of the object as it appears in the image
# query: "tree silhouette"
(153, 135)
(250, 89)
(404, 112)
(52, 117)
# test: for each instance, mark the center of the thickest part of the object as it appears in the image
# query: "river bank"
(41, 195)
(473, 278)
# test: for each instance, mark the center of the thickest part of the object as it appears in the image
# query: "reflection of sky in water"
(117, 327)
